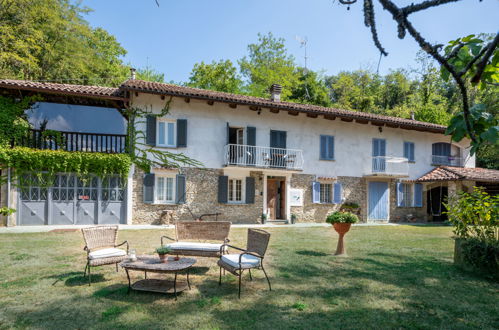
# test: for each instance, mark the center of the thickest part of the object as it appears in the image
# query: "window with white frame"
(165, 189)
(326, 193)
(236, 191)
(166, 133)
(406, 195)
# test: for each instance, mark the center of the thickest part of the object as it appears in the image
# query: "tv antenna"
(303, 44)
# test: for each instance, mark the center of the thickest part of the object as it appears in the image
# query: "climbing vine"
(13, 119)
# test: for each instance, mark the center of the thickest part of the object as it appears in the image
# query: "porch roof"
(452, 173)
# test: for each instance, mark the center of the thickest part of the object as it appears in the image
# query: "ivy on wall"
(50, 162)
(13, 119)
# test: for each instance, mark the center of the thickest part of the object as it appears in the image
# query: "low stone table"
(152, 264)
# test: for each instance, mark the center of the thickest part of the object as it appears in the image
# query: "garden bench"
(198, 238)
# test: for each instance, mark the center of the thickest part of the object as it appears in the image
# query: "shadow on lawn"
(311, 253)
(76, 278)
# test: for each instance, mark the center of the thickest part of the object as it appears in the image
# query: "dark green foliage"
(481, 255)
(342, 217)
(163, 250)
(13, 120)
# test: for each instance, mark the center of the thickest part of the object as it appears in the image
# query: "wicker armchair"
(101, 247)
(249, 258)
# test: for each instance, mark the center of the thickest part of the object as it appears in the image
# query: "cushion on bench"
(247, 261)
(106, 253)
(196, 246)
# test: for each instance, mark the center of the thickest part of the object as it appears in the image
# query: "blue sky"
(178, 34)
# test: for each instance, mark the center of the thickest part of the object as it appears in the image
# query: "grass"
(394, 277)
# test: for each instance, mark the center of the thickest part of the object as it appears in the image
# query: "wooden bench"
(198, 238)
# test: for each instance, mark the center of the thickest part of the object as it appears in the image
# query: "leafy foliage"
(52, 162)
(163, 250)
(481, 255)
(6, 211)
(475, 214)
(13, 120)
(149, 74)
(219, 76)
(341, 217)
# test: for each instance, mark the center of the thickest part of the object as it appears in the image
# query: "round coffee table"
(152, 264)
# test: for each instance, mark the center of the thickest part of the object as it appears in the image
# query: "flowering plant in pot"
(341, 222)
(163, 253)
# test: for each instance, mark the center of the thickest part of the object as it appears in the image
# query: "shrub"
(342, 217)
(350, 205)
(6, 211)
(163, 250)
(481, 255)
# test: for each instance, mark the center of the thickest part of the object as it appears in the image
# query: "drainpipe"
(8, 195)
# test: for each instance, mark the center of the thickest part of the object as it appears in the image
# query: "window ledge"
(164, 203)
(411, 162)
(328, 160)
(166, 147)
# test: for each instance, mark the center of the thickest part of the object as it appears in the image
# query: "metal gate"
(69, 200)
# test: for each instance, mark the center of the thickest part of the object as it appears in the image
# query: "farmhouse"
(263, 159)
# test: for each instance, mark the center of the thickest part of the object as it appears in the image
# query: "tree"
(149, 74)
(219, 76)
(267, 63)
(468, 60)
(310, 89)
(50, 40)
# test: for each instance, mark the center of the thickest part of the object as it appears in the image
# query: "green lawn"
(394, 277)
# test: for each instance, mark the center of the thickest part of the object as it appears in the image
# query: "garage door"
(70, 200)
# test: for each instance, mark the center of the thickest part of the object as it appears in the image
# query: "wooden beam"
(349, 120)
(187, 100)
(210, 102)
(254, 108)
(393, 125)
(329, 117)
(293, 113)
(377, 123)
(274, 110)
(162, 97)
(233, 105)
(312, 115)
(361, 121)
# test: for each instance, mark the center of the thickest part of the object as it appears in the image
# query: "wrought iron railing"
(446, 160)
(74, 141)
(267, 157)
(390, 165)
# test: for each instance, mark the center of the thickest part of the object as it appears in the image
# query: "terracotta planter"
(163, 258)
(341, 229)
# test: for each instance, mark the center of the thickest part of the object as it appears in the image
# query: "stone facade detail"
(405, 214)
(201, 198)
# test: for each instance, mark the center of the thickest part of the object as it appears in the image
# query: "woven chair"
(101, 247)
(249, 258)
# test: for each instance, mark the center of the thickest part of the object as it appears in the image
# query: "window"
(236, 191)
(406, 195)
(326, 195)
(409, 195)
(327, 147)
(166, 133)
(165, 189)
(409, 151)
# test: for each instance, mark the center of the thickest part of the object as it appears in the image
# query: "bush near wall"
(475, 217)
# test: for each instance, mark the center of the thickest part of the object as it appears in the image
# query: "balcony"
(389, 166)
(74, 141)
(263, 157)
(438, 160)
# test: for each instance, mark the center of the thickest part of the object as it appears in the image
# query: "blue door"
(378, 201)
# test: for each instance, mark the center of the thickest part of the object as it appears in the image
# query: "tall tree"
(310, 89)
(219, 76)
(267, 63)
(149, 74)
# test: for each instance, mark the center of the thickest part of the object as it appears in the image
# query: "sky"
(173, 37)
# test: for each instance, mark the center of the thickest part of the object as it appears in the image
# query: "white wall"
(353, 142)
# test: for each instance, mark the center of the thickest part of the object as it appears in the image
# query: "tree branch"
(481, 65)
(424, 5)
(370, 22)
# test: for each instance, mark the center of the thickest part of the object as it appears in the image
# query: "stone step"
(277, 222)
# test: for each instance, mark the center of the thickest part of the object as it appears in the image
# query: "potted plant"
(293, 218)
(264, 218)
(350, 207)
(163, 253)
(341, 222)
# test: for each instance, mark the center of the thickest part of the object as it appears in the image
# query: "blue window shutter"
(382, 147)
(400, 194)
(180, 194)
(418, 195)
(148, 188)
(375, 148)
(406, 150)
(316, 192)
(337, 194)
(331, 148)
(151, 130)
(251, 136)
(181, 133)
(223, 189)
(411, 153)
(250, 190)
(323, 147)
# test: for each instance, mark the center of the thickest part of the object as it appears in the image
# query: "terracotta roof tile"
(182, 91)
(451, 173)
(65, 89)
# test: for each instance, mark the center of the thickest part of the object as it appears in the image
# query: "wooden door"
(271, 198)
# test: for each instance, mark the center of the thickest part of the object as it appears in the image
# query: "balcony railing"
(266, 157)
(398, 166)
(74, 141)
(446, 160)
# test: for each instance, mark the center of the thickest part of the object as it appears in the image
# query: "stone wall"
(405, 214)
(201, 198)
(354, 190)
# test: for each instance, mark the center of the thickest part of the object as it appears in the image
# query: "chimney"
(275, 92)
(132, 73)
(412, 115)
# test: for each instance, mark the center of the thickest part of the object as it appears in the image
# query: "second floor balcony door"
(379, 153)
(278, 148)
(236, 138)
